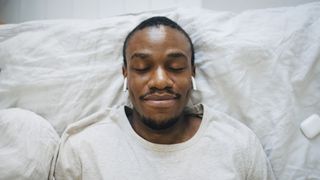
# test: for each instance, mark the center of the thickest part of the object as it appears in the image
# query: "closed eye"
(176, 69)
(141, 70)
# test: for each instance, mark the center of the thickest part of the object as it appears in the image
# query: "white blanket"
(260, 66)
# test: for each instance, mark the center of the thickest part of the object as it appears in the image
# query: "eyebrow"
(140, 55)
(177, 55)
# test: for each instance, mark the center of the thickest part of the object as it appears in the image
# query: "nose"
(160, 79)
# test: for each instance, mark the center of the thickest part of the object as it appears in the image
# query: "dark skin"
(159, 74)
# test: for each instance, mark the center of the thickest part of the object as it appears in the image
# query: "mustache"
(157, 91)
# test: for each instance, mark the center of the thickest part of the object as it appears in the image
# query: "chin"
(160, 118)
(160, 122)
(161, 114)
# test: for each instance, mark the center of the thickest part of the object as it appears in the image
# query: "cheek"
(183, 85)
(137, 85)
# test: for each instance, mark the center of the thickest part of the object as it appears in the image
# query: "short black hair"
(156, 21)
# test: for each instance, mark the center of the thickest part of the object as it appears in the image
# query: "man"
(160, 137)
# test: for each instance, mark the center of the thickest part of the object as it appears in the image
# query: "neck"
(184, 129)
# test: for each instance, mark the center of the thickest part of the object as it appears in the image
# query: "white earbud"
(194, 86)
(125, 86)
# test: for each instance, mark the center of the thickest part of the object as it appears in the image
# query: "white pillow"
(27, 145)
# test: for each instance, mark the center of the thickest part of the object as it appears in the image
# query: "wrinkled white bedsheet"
(260, 66)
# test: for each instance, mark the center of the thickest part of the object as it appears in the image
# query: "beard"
(155, 125)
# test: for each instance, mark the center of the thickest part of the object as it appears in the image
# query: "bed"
(260, 66)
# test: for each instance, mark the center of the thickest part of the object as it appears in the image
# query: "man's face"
(159, 73)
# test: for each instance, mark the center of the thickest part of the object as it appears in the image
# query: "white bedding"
(260, 66)
(27, 145)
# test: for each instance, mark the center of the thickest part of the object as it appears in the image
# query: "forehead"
(158, 38)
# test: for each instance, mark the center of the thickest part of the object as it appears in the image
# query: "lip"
(160, 97)
(160, 100)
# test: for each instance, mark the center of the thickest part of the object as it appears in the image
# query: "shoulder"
(94, 127)
(227, 125)
(236, 139)
(230, 133)
(83, 140)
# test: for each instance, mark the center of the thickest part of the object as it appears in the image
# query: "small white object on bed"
(311, 126)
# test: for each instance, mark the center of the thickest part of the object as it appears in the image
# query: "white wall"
(241, 5)
(14, 11)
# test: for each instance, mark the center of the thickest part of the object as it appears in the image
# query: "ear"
(124, 71)
(193, 70)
